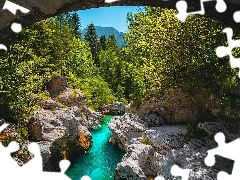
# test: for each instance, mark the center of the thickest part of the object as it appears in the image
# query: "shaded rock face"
(174, 107)
(116, 108)
(56, 85)
(90, 118)
(126, 130)
(69, 147)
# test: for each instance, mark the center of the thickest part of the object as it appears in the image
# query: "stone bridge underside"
(42, 9)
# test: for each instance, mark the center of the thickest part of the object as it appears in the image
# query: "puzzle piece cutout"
(177, 171)
(110, 1)
(182, 8)
(13, 8)
(85, 178)
(227, 150)
(236, 16)
(222, 51)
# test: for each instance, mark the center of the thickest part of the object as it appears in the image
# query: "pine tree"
(92, 38)
(75, 24)
(112, 42)
(103, 43)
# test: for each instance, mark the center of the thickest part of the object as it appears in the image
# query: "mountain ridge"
(106, 31)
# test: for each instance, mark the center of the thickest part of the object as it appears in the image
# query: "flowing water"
(101, 160)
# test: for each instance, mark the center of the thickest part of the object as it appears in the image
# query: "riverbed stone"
(165, 138)
(90, 118)
(115, 108)
(72, 97)
(138, 163)
(50, 104)
(192, 156)
(154, 120)
(126, 130)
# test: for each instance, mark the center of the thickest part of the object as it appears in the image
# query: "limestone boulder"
(72, 97)
(46, 153)
(47, 125)
(165, 138)
(90, 118)
(50, 104)
(192, 156)
(154, 120)
(174, 107)
(138, 163)
(69, 147)
(116, 108)
(126, 130)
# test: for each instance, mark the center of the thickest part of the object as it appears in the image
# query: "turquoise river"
(101, 160)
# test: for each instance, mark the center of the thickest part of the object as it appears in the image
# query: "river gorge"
(101, 160)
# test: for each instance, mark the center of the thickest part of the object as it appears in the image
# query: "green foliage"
(95, 89)
(146, 141)
(92, 38)
(103, 43)
(23, 131)
(34, 56)
(170, 54)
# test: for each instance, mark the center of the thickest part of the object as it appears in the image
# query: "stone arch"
(42, 9)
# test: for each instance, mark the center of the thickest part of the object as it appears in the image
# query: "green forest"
(161, 54)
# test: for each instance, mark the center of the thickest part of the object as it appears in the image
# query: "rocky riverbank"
(60, 127)
(152, 151)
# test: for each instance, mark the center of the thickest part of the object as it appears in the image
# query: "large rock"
(165, 138)
(93, 118)
(126, 130)
(141, 162)
(138, 163)
(56, 85)
(192, 156)
(46, 153)
(50, 104)
(59, 135)
(69, 147)
(174, 107)
(72, 97)
(154, 120)
(116, 108)
(47, 125)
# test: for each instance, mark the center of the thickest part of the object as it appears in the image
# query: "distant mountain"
(106, 31)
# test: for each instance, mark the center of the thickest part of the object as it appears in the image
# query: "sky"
(113, 16)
